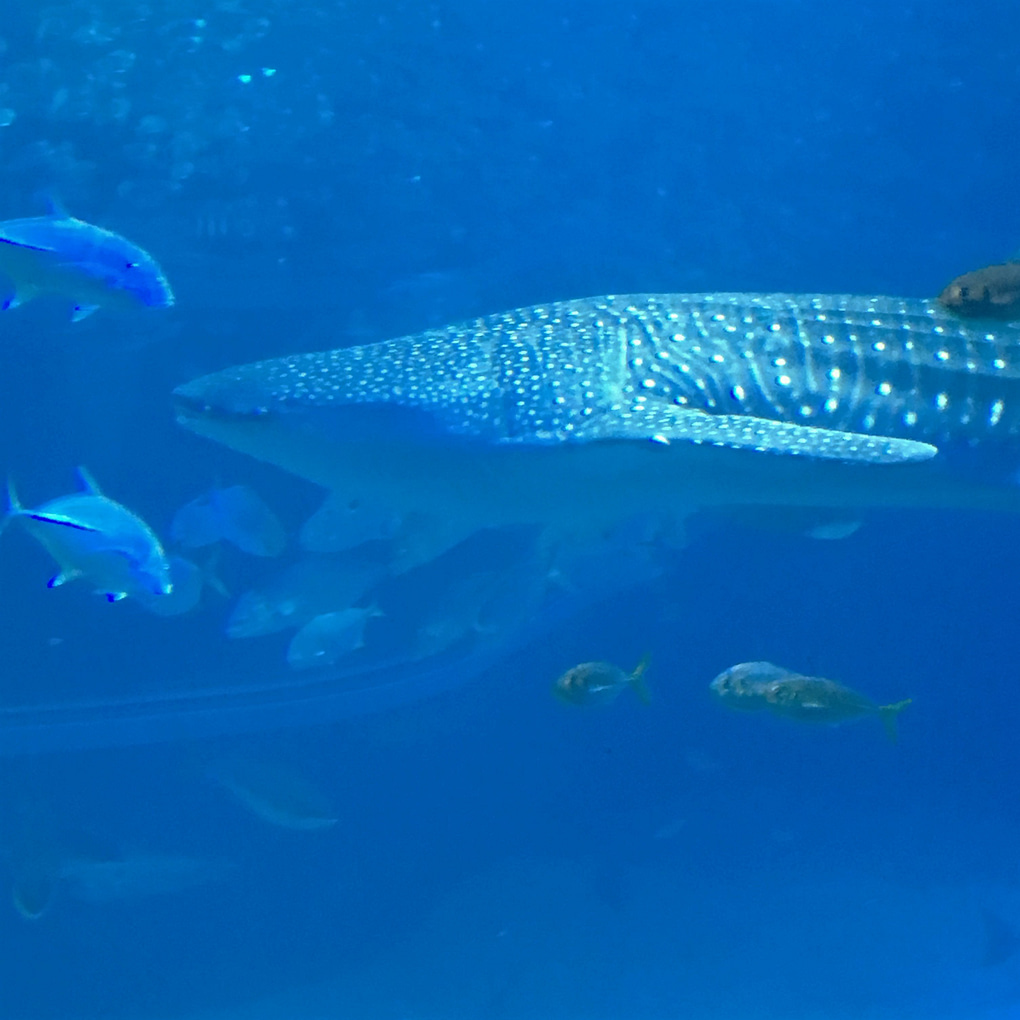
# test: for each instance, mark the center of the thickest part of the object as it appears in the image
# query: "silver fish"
(91, 536)
(578, 414)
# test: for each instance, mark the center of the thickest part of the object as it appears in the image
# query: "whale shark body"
(577, 415)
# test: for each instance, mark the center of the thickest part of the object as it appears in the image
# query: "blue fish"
(236, 514)
(92, 267)
(327, 638)
(92, 537)
(577, 415)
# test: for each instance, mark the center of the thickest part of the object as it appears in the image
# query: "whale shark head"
(579, 413)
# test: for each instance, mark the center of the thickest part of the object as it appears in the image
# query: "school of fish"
(589, 430)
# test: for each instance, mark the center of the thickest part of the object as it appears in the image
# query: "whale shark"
(577, 415)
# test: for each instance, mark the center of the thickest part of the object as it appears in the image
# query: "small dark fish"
(811, 699)
(92, 267)
(599, 683)
(989, 293)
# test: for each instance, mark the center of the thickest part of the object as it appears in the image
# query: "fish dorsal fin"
(54, 207)
(14, 506)
(668, 424)
(88, 482)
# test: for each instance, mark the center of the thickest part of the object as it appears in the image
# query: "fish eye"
(130, 265)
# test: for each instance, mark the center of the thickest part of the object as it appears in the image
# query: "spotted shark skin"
(804, 370)
(549, 412)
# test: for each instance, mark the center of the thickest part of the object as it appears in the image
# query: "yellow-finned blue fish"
(92, 267)
(92, 537)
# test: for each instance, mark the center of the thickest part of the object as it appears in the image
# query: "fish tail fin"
(638, 681)
(889, 714)
(14, 507)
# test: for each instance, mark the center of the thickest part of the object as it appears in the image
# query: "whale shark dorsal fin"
(88, 482)
(668, 424)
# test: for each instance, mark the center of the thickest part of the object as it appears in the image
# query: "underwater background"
(318, 174)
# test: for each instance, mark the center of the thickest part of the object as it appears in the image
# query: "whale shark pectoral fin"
(668, 424)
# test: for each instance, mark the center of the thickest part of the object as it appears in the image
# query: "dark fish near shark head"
(992, 292)
(580, 413)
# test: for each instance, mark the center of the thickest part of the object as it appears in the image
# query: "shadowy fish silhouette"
(328, 637)
(105, 880)
(341, 524)
(236, 514)
(308, 588)
(92, 267)
(92, 537)
(276, 793)
(577, 415)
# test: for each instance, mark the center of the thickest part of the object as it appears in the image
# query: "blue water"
(313, 173)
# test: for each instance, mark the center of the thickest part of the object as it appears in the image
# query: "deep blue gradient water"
(314, 173)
